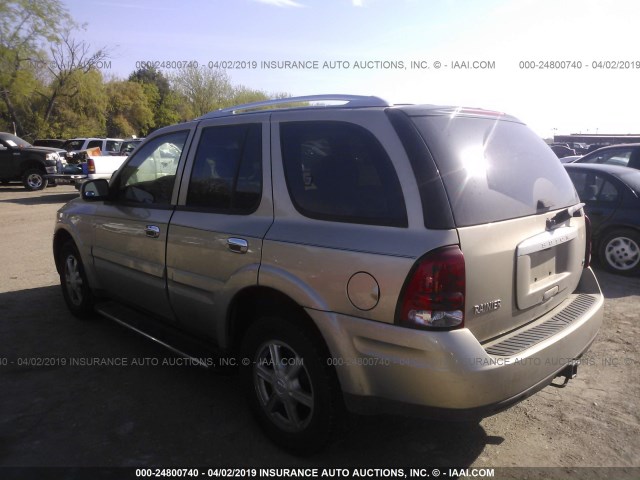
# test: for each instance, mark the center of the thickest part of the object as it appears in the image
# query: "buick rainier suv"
(348, 254)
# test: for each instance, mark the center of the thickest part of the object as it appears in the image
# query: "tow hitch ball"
(569, 372)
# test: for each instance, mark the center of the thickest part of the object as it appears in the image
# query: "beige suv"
(346, 253)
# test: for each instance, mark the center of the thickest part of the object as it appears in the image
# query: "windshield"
(14, 141)
(494, 169)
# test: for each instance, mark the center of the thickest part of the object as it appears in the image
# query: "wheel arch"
(248, 304)
(30, 163)
(59, 239)
(607, 229)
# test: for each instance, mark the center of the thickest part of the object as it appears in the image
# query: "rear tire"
(33, 179)
(292, 391)
(73, 279)
(619, 252)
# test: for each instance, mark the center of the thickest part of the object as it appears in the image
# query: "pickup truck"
(93, 165)
(19, 160)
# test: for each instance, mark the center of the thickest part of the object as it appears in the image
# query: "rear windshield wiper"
(563, 215)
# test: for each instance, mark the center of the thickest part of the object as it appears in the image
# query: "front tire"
(73, 279)
(292, 390)
(620, 252)
(33, 179)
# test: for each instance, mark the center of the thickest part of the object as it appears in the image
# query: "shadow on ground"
(62, 405)
(614, 285)
(41, 199)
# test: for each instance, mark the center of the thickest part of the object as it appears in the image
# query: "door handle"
(152, 231)
(237, 245)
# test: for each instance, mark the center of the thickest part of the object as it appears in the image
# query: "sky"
(548, 62)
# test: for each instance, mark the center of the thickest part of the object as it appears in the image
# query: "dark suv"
(414, 259)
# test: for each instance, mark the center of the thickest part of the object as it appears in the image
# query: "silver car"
(347, 255)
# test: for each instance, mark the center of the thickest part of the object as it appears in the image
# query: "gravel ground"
(152, 416)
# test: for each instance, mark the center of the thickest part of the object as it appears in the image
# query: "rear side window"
(592, 187)
(494, 169)
(71, 145)
(338, 171)
(227, 170)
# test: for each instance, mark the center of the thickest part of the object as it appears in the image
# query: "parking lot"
(141, 413)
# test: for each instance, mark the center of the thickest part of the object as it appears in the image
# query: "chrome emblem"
(487, 306)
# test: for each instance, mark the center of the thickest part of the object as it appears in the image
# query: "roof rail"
(349, 101)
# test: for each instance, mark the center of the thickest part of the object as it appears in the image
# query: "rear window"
(495, 170)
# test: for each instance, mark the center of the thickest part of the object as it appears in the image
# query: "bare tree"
(204, 89)
(68, 58)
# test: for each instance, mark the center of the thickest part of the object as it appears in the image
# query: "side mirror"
(95, 190)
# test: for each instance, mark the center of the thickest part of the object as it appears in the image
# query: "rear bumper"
(66, 179)
(385, 368)
(77, 180)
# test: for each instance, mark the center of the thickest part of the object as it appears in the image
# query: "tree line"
(51, 85)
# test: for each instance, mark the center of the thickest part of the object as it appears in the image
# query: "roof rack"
(349, 101)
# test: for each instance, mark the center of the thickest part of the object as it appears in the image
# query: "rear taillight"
(433, 295)
(587, 243)
(91, 166)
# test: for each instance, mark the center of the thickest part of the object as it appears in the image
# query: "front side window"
(149, 176)
(94, 144)
(338, 171)
(227, 170)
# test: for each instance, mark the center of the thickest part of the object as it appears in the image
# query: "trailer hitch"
(569, 372)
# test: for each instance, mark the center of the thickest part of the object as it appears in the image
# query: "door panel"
(214, 247)
(128, 262)
(9, 161)
(130, 231)
(204, 272)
